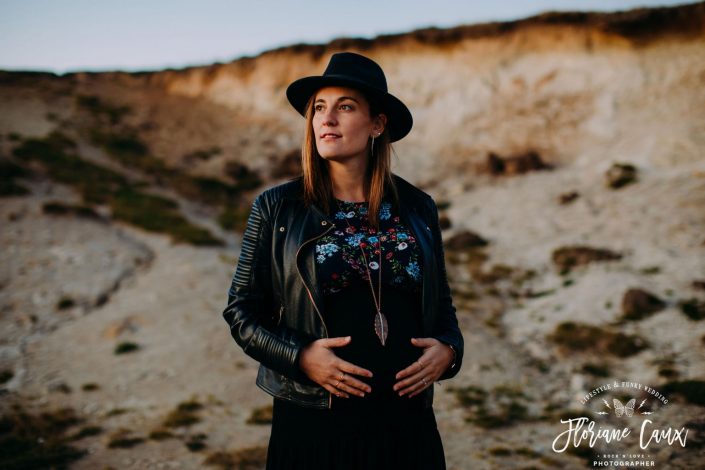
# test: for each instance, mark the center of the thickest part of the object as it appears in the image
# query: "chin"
(330, 154)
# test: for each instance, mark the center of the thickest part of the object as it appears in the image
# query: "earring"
(372, 148)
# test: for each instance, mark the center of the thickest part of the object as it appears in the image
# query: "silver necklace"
(380, 323)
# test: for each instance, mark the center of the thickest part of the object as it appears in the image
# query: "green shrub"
(125, 347)
(442, 205)
(99, 185)
(158, 214)
(196, 442)
(8, 172)
(183, 415)
(207, 190)
(124, 440)
(101, 109)
(203, 154)
(10, 188)
(189, 406)
(245, 458)
(261, 415)
(37, 441)
(95, 183)
(693, 308)
(500, 407)
(116, 412)
(588, 338)
(234, 218)
(59, 208)
(64, 303)
(597, 370)
(87, 431)
(161, 434)
(6, 375)
(129, 151)
(692, 390)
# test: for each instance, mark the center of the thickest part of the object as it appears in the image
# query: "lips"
(330, 135)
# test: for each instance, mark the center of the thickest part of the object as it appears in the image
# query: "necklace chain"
(380, 320)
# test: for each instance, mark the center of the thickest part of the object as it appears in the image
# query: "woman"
(340, 291)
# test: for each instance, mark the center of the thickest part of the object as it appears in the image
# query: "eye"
(318, 107)
(346, 107)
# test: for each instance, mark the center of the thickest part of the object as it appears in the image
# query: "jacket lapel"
(314, 224)
(411, 217)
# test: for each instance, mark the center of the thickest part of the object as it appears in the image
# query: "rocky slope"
(569, 271)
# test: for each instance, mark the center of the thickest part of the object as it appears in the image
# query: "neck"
(348, 179)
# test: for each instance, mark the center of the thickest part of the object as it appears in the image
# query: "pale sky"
(132, 35)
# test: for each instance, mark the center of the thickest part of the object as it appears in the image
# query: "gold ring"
(336, 384)
(423, 379)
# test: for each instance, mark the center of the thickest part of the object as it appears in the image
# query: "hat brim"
(399, 120)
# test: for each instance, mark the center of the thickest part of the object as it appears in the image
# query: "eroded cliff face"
(578, 89)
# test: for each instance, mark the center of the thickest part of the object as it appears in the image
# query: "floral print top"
(339, 260)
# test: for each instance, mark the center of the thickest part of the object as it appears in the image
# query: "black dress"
(380, 430)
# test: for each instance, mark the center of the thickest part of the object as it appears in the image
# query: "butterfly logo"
(627, 409)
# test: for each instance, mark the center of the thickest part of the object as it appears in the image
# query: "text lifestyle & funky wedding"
(634, 385)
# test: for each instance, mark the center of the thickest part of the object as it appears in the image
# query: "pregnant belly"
(366, 350)
(384, 367)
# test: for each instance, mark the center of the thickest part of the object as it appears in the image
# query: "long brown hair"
(378, 182)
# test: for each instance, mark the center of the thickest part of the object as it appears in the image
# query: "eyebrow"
(340, 99)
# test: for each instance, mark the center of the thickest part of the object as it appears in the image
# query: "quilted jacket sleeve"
(446, 329)
(250, 298)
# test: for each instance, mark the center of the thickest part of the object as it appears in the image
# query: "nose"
(328, 118)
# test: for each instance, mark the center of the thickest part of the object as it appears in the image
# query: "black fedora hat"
(355, 71)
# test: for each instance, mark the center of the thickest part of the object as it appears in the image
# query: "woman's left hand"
(436, 358)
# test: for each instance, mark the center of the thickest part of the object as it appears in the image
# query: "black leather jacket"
(274, 302)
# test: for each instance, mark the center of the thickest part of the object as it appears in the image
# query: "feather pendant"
(381, 327)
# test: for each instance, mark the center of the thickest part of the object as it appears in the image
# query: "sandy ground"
(168, 299)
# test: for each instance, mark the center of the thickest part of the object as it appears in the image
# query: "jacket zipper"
(303, 281)
(281, 314)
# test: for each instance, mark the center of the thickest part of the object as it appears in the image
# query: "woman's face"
(342, 123)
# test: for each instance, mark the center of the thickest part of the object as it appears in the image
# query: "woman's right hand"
(321, 365)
